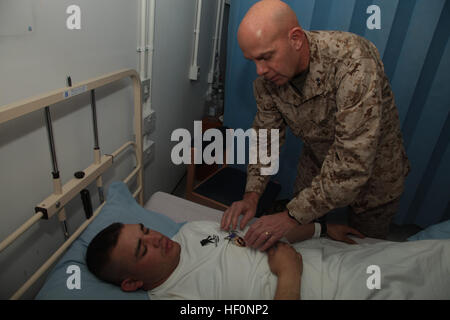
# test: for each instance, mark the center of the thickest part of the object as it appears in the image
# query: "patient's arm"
(287, 265)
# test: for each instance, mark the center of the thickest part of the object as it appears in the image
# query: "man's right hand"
(247, 207)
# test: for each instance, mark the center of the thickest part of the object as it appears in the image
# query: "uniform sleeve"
(267, 117)
(349, 162)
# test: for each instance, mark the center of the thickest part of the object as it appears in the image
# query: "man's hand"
(247, 207)
(265, 232)
(287, 265)
(339, 232)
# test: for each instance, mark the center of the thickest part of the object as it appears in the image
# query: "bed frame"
(54, 203)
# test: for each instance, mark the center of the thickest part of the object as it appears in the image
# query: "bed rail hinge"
(43, 211)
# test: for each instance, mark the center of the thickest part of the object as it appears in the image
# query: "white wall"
(177, 100)
(37, 61)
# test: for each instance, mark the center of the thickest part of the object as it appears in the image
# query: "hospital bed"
(163, 212)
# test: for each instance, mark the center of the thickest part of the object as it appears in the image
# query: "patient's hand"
(284, 260)
(287, 265)
(339, 232)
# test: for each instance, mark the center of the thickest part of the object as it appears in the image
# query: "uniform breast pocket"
(318, 116)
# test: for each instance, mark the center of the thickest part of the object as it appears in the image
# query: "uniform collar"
(315, 80)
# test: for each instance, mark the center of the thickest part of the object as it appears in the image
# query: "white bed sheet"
(179, 209)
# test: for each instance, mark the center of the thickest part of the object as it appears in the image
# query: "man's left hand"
(265, 232)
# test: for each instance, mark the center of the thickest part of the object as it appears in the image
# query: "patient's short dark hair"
(99, 250)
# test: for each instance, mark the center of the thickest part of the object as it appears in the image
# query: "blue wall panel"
(341, 17)
(413, 42)
(414, 51)
(428, 142)
(322, 12)
(397, 36)
(434, 186)
(304, 10)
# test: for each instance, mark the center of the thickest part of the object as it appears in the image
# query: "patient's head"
(132, 256)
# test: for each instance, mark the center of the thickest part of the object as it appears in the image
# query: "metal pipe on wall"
(215, 46)
(193, 72)
(143, 41)
(197, 31)
(219, 41)
(151, 48)
(146, 48)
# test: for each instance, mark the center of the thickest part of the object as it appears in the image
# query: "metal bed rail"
(54, 204)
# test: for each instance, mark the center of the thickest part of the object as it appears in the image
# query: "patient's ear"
(130, 285)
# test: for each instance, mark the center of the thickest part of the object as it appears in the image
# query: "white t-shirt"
(222, 270)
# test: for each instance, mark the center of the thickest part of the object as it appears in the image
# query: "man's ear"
(296, 38)
(131, 285)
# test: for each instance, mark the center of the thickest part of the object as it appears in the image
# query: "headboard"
(54, 204)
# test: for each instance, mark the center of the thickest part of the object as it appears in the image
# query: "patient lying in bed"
(204, 262)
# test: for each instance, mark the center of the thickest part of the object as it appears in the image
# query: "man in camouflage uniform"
(330, 88)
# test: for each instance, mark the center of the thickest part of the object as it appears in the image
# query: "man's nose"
(261, 68)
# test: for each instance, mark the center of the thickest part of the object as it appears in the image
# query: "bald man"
(330, 88)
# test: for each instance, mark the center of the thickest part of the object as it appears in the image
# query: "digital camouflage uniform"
(344, 111)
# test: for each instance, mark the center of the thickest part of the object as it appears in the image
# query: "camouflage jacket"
(346, 115)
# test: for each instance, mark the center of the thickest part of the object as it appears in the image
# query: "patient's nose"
(154, 239)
